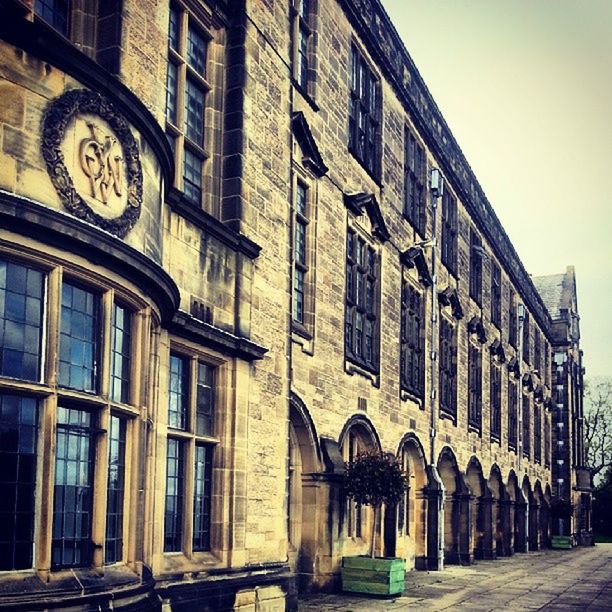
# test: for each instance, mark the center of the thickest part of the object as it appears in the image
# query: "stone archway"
(458, 548)
(412, 511)
(304, 492)
(358, 435)
(482, 508)
(500, 510)
(519, 512)
(544, 527)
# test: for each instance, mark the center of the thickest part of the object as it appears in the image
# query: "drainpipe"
(436, 189)
(519, 439)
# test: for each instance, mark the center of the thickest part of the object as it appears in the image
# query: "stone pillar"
(485, 547)
(544, 525)
(521, 540)
(463, 506)
(507, 506)
(434, 494)
(329, 551)
(534, 522)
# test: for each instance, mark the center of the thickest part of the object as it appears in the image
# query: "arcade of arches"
(450, 514)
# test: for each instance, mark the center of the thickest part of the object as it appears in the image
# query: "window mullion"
(54, 301)
(100, 483)
(189, 478)
(105, 327)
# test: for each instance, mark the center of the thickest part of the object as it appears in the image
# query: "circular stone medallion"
(93, 161)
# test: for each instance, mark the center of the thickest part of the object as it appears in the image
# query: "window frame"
(99, 403)
(513, 421)
(303, 62)
(360, 105)
(447, 369)
(183, 145)
(412, 339)
(475, 267)
(356, 299)
(415, 181)
(496, 294)
(189, 440)
(450, 229)
(474, 388)
(526, 436)
(495, 399)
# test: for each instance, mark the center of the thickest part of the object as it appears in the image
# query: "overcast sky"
(526, 88)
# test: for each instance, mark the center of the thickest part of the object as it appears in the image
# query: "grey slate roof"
(550, 288)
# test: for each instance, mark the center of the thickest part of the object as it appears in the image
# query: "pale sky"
(526, 88)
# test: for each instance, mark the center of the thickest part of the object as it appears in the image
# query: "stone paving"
(578, 579)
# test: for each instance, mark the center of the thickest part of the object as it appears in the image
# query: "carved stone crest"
(93, 161)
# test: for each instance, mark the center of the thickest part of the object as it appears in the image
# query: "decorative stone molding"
(414, 257)
(58, 115)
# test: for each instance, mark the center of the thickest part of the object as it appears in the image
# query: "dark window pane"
(173, 515)
(72, 504)
(201, 497)
(115, 490)
(121, 355)
(18, 432)
(192, 177)
(78, 339)
(205, 400)
(21, 313)
(55, 13)
(196, 51)
(194, 112)
(173, 29)
(171, 93)
(178, 392)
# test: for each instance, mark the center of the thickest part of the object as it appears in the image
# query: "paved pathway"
(578, 579)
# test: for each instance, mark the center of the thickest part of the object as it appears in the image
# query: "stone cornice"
(186, 326)
(70, 234)
(384, 44)
(211, 225)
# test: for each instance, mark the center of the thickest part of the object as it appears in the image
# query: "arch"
(365, 428)
(544, 519)
(457, 518)
(533, 515)
(500, 509)
(519, 513)
(412, 510)
(358, 435)
(481, 508)
(304, 426)
(303, 462)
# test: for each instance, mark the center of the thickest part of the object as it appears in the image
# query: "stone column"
(329, 550)
(520, 524)
(485, 548)
(463, 500)
(534, 522)
(507, 527)
(434, 494)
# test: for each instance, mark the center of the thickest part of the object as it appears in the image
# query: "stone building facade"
(239, 246)
(571, 478)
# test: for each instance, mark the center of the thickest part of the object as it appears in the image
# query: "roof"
(550, 289)
(557, 291)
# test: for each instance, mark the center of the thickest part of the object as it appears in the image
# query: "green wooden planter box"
(378, 576)
(562, 542)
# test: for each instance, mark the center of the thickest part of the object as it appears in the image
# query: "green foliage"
(373, 479)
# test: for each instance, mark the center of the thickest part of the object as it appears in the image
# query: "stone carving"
(104, 160)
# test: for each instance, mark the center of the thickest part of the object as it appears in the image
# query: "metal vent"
(412, 423)
(448, 438)
(362, 404)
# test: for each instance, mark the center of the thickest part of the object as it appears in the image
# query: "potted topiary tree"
(561, 510)
(373, 479)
